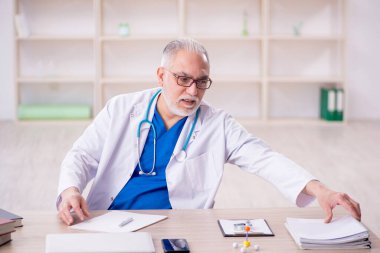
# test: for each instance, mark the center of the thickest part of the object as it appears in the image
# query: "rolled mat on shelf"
(51, 112)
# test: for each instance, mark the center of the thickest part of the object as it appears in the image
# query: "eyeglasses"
(186, 81)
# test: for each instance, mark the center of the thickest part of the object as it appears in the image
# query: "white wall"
(363, 55)
(7, 101)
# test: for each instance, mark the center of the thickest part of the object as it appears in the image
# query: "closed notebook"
(11, 216)
(131, 242)
(5, 238)
(6, 226)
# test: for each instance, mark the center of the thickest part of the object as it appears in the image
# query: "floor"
(344, 157)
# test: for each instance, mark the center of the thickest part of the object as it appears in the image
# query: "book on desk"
(11, 216)
(7, 226)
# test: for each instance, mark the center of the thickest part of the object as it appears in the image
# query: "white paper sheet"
(110, 221)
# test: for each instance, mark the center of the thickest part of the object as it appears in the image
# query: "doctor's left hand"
(72, 199)
(329, 199)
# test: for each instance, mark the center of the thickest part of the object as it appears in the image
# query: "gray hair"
(188, 44)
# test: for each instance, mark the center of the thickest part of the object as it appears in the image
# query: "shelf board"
(121, 80)
(236, 79)
(304, 38)
(301, 121)
(54, 122)
(306, 79)
(172, 37)
(55, 38)
(54, 80)
(226, 37)
(137, 38)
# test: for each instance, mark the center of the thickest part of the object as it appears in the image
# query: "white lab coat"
(107, 153)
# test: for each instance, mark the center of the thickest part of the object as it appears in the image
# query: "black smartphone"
(175, 245)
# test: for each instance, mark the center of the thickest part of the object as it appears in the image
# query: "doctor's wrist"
(314, 188)
(69, 192)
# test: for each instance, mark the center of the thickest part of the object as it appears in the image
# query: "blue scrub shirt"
(151, 192)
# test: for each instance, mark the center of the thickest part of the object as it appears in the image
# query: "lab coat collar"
(139, 111)
(186, 130)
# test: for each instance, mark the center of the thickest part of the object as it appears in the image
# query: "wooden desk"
(199, 227)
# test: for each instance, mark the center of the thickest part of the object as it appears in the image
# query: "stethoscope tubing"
(181, 156)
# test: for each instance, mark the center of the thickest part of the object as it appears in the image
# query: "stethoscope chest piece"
(181, 156)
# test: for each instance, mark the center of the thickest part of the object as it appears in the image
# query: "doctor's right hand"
(72, 199)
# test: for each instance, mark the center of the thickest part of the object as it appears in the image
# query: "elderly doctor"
(166, 148)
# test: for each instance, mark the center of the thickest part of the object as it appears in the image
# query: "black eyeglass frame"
(177, 77)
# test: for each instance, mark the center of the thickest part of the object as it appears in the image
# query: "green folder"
(323, 103)
(327, 104)
(331, 104)
(339, 112)
(54, 112)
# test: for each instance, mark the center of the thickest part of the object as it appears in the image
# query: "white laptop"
(131, 242)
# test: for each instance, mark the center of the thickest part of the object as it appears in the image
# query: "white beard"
(173, 108)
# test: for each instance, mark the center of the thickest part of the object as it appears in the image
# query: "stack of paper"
(342, 233)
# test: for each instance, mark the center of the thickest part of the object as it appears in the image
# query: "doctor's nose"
(192, 89)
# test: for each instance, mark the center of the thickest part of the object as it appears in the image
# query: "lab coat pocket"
(202, 172)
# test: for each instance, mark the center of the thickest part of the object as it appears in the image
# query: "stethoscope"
(180, 157)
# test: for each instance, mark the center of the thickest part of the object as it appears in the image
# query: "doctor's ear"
(160, 76)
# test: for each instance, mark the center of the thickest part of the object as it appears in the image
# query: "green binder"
(54, 112)
(327, 111)
(332, 104)
(339, 112)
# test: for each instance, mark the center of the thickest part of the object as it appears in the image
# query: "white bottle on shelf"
(124, 29)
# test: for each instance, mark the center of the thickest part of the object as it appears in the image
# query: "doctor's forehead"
(189, 55)
(188, 61)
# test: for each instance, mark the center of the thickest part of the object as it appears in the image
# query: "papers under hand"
(341, 233)
(111, 222)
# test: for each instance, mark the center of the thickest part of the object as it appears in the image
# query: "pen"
(125, 222)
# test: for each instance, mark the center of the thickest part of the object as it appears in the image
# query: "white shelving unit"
(305, 50)
(291, 48)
